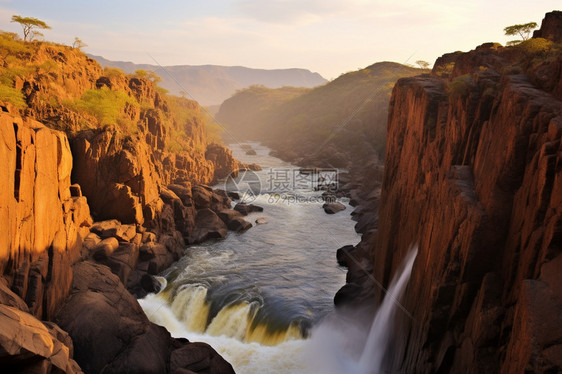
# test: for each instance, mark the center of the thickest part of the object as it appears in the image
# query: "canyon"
(472, 175)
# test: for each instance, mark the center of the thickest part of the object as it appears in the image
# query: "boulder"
(197, 358)
(329, 197)
(261, 221)
(104, 226)
(253, 167)
(150, 284)
(202, 197)
(28, 346)
(183, 192)
(228, 215)
(219, 202)
(227, 194)
(238, 224)
(207, 226)
(343, 255)
(111, 333)
(108, 326)
(246, 209)
(332, 208)
(347, 294)
(122, 261)
(150, 250)
(105, 248)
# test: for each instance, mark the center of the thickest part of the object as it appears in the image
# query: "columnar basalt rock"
(473, 176)
(43, 225)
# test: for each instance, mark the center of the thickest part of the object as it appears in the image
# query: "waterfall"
(335, 345)
(380, 334)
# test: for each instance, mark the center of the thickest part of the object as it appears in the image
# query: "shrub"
(12, 96)
(106, 106)
(112, 72)
(535, 46)
(10, 45)
(460, 86)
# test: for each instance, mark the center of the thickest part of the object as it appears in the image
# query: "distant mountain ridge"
(212, 84)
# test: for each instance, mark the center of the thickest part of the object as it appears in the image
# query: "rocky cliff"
(44, 220)
(473, 175)
(139, 161)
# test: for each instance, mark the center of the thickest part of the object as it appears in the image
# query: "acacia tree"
(423, 64)
(30, 26)
(522, 30)
(78, 43)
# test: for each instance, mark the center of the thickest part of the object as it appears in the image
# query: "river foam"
(264, 298)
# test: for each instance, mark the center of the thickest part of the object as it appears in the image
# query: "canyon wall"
(141, 178)
(43, 219)
(473, 176)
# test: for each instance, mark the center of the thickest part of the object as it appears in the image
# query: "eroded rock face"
(551, 27)
(42, 224)
(27, 345)
(473, 176)
(111, 333)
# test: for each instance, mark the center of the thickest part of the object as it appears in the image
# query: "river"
(262, 298)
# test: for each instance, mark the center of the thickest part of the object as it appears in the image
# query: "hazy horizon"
(330, 37)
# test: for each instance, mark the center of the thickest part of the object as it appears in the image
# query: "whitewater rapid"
(264, 298)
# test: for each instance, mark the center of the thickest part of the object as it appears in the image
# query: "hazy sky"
(327, 36)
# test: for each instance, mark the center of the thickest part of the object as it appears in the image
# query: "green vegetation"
(29, 26)
(535, 46)
(460, 86)
(11, 47)
(48, 80)
(184, 118)
(148, 74)
(12, 96)
(113, 72)
(522, 30)
(348, 114)
(106, 106)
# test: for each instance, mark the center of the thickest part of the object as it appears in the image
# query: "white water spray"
(335, 346)
(371, 361)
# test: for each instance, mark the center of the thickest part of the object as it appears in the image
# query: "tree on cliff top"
(78, 43)
(522, 30)
(29, 26)
(423, 64)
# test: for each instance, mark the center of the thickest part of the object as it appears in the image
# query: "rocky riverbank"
(53, 262)
(91, 214)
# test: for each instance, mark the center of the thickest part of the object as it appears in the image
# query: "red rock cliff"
(473, 174)
(43, 224)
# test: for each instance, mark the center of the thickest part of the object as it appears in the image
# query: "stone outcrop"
(27, 345)
(48, 239)
(551, 27)
(473, 176)
(42, 223)
(128, 341)
(333, 207)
